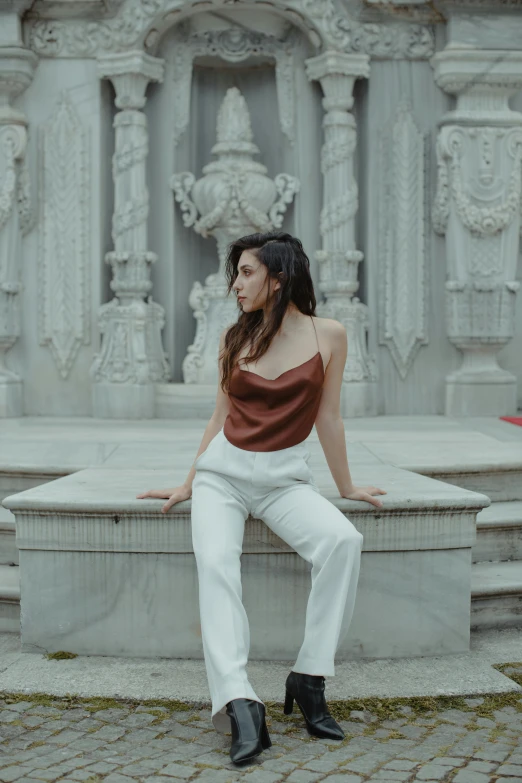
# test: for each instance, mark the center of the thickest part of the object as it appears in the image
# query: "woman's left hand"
(365, 493)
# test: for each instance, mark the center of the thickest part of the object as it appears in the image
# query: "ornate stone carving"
(477, 207)
(232, 45)
(64, 264)
(26, 211)
(13, 140)
(142, 22)
(131, 359)
(401, 219)
(481, 221)
(338, 259)
(16, 70)
(234, 198)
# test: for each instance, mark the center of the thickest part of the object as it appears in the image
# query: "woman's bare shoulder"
(329, 328)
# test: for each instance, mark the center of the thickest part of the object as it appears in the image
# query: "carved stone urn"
(233, 198)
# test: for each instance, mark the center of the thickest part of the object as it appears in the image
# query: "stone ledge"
(469, 673)
(432, 515)
(105, 490)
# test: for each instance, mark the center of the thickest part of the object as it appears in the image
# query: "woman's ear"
(279, 281)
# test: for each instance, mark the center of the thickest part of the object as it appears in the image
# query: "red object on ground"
(512, 419)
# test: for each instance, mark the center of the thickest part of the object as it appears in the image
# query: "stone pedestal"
(477, 207)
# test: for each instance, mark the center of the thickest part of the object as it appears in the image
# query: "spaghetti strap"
(316, 338)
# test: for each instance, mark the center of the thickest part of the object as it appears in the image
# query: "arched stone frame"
(233, 45)
(284, 49)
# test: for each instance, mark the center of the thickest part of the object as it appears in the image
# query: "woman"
(253, 460)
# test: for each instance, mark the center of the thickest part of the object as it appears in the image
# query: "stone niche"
(263, 56)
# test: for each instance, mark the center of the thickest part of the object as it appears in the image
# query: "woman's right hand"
(175, 495)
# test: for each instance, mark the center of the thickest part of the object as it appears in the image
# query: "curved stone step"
(496, 595)
(499, 532)
(124, 565)
(9, 598)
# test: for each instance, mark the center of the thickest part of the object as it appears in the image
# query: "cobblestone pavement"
(465, 740)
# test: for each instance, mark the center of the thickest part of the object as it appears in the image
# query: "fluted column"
(339, 258)
(477, 207)
(131, 359)
(17, 65)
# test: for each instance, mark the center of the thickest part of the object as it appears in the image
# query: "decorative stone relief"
(234, 198)
(64, 252)
(143, 22)
(16, 71)
(401, 217)
(26, 209)
(131, 359)
(338, 258)
(478, 208)
(232, 45)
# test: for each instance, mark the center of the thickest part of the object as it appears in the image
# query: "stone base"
(11, 398)
(146, 605)
(359, 399)
(481, 398)
(198, 400)
(185, 400)
(123, 400)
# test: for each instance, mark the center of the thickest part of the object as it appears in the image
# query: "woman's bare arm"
(329, 423)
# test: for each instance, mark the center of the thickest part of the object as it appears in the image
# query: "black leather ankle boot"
(308, 692)
(249, 732)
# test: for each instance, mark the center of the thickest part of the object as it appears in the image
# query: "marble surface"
(99, 490)
(116, 603)
(491, 31)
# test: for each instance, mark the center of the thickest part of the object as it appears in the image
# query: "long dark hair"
(285, 260)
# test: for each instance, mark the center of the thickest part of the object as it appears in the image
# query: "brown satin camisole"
(270, 414)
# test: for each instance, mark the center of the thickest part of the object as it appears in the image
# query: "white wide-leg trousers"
(276, 487)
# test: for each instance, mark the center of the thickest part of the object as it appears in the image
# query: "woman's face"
(251, 283)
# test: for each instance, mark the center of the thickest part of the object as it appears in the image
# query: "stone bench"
(104, 573)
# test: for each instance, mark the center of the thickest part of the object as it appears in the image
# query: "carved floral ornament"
(480, 221)
(143, 23)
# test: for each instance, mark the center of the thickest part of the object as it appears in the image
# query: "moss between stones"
(61, 655)
(505, 668)
(92, 703)
(382, 709)
(389, 709)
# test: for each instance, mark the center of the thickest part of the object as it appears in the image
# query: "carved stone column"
(131, 359)
(477, 208)
(339, 259)
(17, 65)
